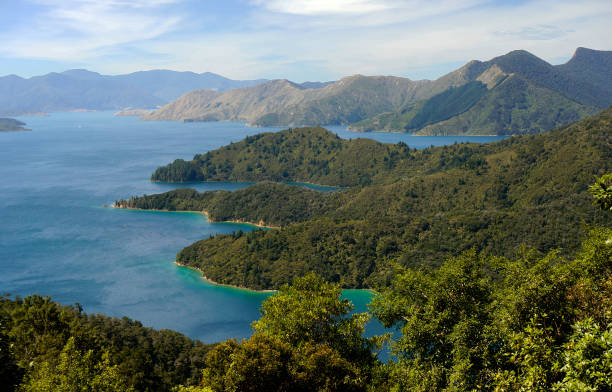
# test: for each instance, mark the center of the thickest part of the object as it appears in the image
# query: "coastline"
(223, 284)
(204, 277)
(206, 213)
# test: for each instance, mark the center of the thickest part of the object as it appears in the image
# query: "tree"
(75, 371)
(445, 320)
(602, 192)
(588, 359)
(312, 311)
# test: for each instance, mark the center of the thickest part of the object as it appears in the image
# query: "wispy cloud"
(78, 29)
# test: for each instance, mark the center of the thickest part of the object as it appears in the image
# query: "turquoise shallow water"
(56, 238)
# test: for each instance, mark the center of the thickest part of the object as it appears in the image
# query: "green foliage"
(304, 341)
(534, 359)
(482, 323)
(445, 322)
(587, 362)
(429, 205)
(602, 192)
(106, 349)
(76, 371)
(311, 311)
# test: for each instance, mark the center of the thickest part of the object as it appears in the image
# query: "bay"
(57, 239)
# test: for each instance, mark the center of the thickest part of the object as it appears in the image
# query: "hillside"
(524, 95)
(82, 89)
(590, 66)
(422, 206)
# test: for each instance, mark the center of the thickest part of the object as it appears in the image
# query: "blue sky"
(295, 39)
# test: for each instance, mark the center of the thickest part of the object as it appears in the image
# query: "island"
(12, 125)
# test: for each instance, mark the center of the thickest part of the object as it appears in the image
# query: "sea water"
(58, 239)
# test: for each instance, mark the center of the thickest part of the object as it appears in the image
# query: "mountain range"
(516, 93)
(79, 89)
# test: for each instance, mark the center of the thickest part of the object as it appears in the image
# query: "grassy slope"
(524, 190)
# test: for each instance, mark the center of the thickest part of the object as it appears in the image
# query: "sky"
(301, 40)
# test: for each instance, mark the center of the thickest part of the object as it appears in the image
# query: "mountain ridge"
(536, 97)
(83, 89)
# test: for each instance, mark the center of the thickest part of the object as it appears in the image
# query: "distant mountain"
(524, 95)
(82, 89)
(511, 94)
(281, 102)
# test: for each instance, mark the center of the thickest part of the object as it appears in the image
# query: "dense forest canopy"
(45, 346)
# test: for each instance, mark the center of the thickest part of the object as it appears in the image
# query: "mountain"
(517, 93)
(282, 102)
(82, 89)
(525, 95)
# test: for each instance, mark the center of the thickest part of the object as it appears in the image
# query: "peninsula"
(12, 125)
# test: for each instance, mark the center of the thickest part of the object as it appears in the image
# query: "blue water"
(57, 239)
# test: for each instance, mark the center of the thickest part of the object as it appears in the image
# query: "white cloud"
(315, 7)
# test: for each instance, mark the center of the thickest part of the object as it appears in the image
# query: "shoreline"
(204, 277)
(205, 213)
(232, 286)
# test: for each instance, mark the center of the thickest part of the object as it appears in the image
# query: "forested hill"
(422, 207)
(295, 155)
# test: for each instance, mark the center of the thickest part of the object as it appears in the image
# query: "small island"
(132, 113)
(12, 125)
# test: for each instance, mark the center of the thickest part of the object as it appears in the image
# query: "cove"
(56, 238)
